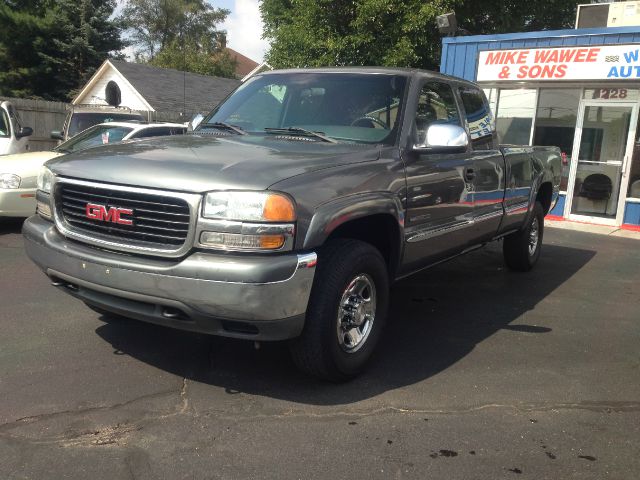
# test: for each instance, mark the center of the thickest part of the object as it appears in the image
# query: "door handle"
(469, 174)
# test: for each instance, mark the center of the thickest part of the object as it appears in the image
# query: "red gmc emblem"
(112, 214)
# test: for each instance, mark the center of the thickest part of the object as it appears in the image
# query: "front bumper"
(19, 202)
(260, 297)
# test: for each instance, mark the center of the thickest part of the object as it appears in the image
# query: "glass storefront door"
(601, 151)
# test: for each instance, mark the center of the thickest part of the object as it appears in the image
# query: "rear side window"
(435, 105)
(478, 118)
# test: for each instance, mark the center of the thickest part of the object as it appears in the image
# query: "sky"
(243, 26)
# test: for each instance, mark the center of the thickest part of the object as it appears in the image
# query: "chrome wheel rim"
(356, 313)
(534, 235)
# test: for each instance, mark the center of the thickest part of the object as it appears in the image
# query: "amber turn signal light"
(278, 208)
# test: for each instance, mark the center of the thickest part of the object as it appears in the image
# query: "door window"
(435, 105)
(15, 119)
(5, 129)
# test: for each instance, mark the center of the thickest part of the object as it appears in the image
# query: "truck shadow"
(436, 318)
(11, 225)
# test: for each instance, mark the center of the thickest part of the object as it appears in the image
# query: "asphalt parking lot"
(483, 374)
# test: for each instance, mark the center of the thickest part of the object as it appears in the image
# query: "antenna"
(184, 72)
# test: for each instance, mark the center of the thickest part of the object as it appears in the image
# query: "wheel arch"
(371, 218)
(544, 195)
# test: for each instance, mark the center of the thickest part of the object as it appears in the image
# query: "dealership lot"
(483, 374)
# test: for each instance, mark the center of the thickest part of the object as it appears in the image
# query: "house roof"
(244, 65)
(166, 89)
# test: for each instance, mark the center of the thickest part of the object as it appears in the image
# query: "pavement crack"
(5, 427)
(183, 396)
(598, 407)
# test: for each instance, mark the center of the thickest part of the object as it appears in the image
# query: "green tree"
(49, 48)
(516, 16)
(217, 63)
(180, 34)
(390, 32)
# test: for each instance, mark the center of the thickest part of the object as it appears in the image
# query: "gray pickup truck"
(291, 208)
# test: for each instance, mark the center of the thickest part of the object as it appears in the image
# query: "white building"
(163, 93)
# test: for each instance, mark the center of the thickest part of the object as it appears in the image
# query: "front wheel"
(522, 249)
(346, 313)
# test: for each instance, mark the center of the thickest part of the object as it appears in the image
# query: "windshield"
(358, 107)
(81, 121)
(93, 137)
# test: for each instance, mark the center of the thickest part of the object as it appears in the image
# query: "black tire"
(323, 350)
(521, 250)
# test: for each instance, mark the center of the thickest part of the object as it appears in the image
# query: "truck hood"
(199, 163)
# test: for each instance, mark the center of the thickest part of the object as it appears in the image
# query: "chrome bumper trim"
(268, 301)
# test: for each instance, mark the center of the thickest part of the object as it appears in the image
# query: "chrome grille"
(160, 221)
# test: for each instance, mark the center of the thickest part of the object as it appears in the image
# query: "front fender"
(331, 215)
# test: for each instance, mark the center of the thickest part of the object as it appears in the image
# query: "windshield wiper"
(301, 131)
(224, 126)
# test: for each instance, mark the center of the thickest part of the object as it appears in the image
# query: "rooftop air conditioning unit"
(624, 14)
(616, 14)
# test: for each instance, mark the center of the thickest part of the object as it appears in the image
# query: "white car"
(19, 173)
(14, 138)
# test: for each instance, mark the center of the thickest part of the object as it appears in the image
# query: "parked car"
(291, 208)
(19, 172)
(81, 117)
(14, 138)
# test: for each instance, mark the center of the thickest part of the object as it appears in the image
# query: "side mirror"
(57, 135)
(195, 121)
(443, 138)
(24, 132)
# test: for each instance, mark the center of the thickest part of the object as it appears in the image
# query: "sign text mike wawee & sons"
(615, 62)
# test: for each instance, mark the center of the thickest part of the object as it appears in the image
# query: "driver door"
(440, 197)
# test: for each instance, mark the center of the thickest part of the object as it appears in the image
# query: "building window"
(555, 125)
(516, 109)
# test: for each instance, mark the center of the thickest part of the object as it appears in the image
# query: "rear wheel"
(522, 249)
(346, 312)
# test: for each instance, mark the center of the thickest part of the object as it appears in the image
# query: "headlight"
(9, 180)
(45, 179)
(249, 206)
(249, 221)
